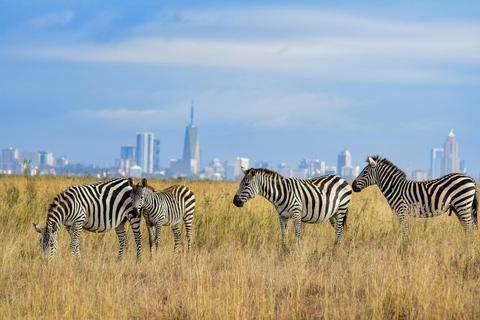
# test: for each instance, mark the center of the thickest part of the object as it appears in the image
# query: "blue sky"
(272, 80)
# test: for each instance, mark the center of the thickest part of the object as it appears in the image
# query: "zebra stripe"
(164, 208)
(310, 201)
(454, 191)
(97, 207)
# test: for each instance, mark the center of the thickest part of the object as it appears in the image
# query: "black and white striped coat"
(97, 207)
(454, 191)
(163, 208)
(310, 201)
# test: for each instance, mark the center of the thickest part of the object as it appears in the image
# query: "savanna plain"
(236, 268)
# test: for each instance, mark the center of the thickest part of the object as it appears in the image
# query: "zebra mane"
(268, 173)
(387, 162)
(150, 187)
(53, 205)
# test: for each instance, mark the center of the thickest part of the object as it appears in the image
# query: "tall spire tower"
(191, 149)
(191, 115)
(451, 162)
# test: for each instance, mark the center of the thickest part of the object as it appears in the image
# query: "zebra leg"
(297, 222)
(135, 222)
(402, 218)
(334, 221)
(340, 219)
(122, 238)
(283, 228)
(74, 232)
(188, 231)
(151, 237)
(177, 235)
(159, 232)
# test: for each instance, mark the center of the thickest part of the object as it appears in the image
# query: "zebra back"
(103, 205)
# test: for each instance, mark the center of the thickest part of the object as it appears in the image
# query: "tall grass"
(236, 268)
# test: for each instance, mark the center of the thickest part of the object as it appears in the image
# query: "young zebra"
(454, 191)
(96, 207)
(163, 208)
(311, 201)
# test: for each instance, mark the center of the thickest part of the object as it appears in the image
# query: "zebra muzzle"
(237, 202)
(355, 187)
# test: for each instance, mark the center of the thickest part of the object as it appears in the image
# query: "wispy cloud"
(311, 43)
(313, 110)
(55, 18)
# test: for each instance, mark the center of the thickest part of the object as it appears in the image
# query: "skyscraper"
(436, 162)
(344, 160)
(46, 158)
(191, 149)
(144, 156)
(239, 163)
(156, 155)
(451, 162)
(127, 153)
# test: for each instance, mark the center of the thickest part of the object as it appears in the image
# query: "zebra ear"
(38, 228)
(130, 182)
(244, 170)
(144, 182)
(371, 161)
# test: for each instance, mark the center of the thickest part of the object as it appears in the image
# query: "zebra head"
(367, 177)
(48, 241)
(248, 188)
(138, 194)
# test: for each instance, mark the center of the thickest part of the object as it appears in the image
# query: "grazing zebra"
(96, 207)
(311, 201)
(162, 208)
(454, 191)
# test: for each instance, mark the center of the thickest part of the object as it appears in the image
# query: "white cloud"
(310, 43)
(61, 18)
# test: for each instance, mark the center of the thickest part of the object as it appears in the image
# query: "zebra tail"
(475, 207)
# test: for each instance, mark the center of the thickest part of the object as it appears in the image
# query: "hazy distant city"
(143, 160)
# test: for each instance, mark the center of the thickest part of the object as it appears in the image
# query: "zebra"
(162, 208)
(454, 191)
(97, 207)
(311, 201)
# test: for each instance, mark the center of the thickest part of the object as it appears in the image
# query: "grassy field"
(236, 268)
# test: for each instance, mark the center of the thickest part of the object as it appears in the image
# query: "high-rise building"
(9, 163)
(419, 175)
(239, 163)
(9, 155)
(436, 162)
(191, 149)
(61, 162)
(315, 167)
(451, 162)
(144, 156)
(46, 158)
(156, 155)
(344, 159)
(127, 153)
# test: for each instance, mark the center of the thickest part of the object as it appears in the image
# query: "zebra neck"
(388, 182)
(151, 200)
(54, 221)
(269, 189)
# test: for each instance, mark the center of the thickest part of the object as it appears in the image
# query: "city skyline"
(81, 79)
(130, 162)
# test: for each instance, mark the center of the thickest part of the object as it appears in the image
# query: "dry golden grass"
(236, 268)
